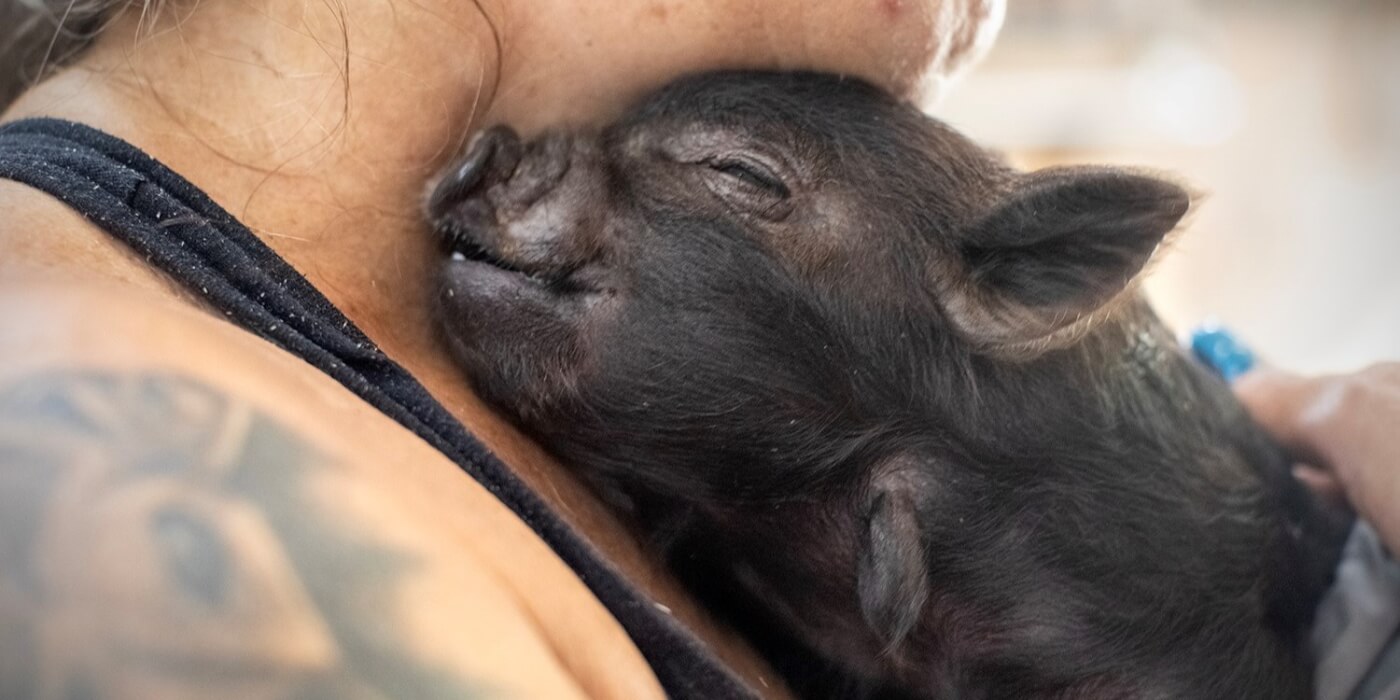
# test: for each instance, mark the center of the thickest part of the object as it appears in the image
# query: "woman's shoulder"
(194, 508)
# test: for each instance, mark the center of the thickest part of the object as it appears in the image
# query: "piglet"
(894, 405)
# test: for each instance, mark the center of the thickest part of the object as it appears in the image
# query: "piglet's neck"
(1128, 401)
(1124, 385)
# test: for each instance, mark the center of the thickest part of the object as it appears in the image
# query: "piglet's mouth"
(463, 247)
(497, 180)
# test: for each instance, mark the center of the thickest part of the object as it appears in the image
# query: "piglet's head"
(750, 250)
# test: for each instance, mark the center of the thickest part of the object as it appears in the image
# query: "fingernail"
(1219, 349)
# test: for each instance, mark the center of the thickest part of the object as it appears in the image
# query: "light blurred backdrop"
(1286, 114)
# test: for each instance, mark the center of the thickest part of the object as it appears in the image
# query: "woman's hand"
(1346, 428)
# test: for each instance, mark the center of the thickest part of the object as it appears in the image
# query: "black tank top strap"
(182, 232)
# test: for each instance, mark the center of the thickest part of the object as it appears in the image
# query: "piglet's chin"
(472, 283)
(518, 340)
(479, 296)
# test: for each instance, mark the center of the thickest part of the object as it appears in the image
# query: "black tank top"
(183, 233)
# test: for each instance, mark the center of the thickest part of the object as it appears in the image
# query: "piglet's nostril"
(491, 157)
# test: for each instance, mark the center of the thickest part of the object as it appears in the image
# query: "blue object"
(1221, 351)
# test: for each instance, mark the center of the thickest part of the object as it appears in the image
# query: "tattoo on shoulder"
(156, 541)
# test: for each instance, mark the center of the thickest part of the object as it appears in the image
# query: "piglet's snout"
(550, 213)
(490, 159)
(538, 206)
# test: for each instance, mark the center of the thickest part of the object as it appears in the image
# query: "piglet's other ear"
(892, 575)
(1062, 244)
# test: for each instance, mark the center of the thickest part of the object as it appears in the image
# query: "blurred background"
(1284, 114)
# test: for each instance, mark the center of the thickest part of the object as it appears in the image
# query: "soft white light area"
(1184, 97)
(1286, 117)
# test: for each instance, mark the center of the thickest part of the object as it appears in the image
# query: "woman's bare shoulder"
(187, 510)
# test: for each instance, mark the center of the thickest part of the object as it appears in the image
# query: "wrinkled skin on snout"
(892, 404)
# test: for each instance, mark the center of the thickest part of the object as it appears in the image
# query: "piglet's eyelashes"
(748, 186)
(751, 173)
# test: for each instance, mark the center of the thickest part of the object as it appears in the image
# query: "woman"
(191, 509)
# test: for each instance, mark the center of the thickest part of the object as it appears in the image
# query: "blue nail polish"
(1221, 351)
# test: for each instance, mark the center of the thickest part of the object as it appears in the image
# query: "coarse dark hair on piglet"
(894, 405)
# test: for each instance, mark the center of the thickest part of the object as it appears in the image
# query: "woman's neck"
(316, 124)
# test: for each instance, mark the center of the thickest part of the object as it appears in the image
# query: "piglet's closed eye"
(1059, 246)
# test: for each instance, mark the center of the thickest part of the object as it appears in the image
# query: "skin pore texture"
(317, 124)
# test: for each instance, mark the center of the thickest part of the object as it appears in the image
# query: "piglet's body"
(894, 405)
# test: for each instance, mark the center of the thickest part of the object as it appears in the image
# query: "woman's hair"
(37, 35)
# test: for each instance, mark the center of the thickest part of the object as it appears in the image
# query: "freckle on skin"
(658, 11)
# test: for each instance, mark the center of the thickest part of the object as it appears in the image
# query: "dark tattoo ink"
(156, 538)
(194, 554)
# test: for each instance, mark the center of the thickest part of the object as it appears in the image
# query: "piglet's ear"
(892, 575)
(1062, 244)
